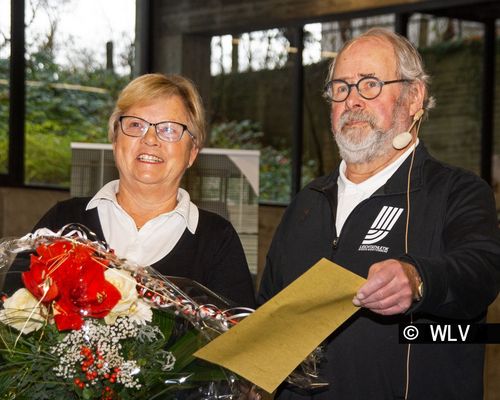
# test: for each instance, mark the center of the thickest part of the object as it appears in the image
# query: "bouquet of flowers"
(84, 324)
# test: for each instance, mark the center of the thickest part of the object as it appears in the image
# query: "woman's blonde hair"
(150, 87)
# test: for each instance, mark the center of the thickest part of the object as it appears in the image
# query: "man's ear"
(416, 97)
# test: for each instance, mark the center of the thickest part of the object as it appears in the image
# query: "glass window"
(79, 54)
(452, 53)
(253, 85)
(4, 83)
(251, 76)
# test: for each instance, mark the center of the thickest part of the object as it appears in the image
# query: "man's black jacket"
(454, 243)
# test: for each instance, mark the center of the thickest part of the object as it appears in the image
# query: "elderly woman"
(157, 129)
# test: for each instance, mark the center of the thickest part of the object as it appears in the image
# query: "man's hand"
(390, 289)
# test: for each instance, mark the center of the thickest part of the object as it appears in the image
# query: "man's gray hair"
(409, 64)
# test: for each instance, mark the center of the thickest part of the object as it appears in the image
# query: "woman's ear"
(113, 143)
(193, 153)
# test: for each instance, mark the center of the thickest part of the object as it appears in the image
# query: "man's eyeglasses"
(369, 87)
(168, 131)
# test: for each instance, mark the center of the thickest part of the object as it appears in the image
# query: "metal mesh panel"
(91, 168)
(215, 183)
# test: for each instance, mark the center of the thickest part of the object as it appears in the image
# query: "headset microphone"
(404, 139)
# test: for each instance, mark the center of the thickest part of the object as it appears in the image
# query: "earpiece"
(404, 139)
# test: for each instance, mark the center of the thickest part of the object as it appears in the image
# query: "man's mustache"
(356, 116)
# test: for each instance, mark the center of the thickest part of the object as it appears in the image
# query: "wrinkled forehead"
(364, 56)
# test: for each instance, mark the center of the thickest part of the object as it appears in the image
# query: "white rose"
(23, 312)
(129, 305)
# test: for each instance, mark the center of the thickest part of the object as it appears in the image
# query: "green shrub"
(48, 159)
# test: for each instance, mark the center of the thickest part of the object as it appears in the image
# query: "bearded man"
(423, 233)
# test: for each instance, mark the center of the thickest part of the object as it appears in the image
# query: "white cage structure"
(225, 181)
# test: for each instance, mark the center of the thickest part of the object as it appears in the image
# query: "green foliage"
(25, 359)
(27, 363)
(275, 164)
(48, 157)
(57, 116)
(236, 135)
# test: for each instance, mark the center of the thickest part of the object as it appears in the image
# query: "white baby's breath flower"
(130, 304)
(23, 312)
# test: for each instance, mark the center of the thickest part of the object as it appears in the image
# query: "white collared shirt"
(351, 194)
(155, 239)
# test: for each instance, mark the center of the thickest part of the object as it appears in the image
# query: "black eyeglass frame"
(380, 83)
(184, 129)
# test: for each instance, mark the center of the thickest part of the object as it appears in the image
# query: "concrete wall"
(269, 218)
(20, 209)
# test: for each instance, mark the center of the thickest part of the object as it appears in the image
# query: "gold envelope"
(269, 344)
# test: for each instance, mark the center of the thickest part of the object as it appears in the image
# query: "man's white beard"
(357, 145)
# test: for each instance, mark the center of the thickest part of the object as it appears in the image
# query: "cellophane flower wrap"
(77, 322)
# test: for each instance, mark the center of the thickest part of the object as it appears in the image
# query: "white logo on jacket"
(380, 228)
